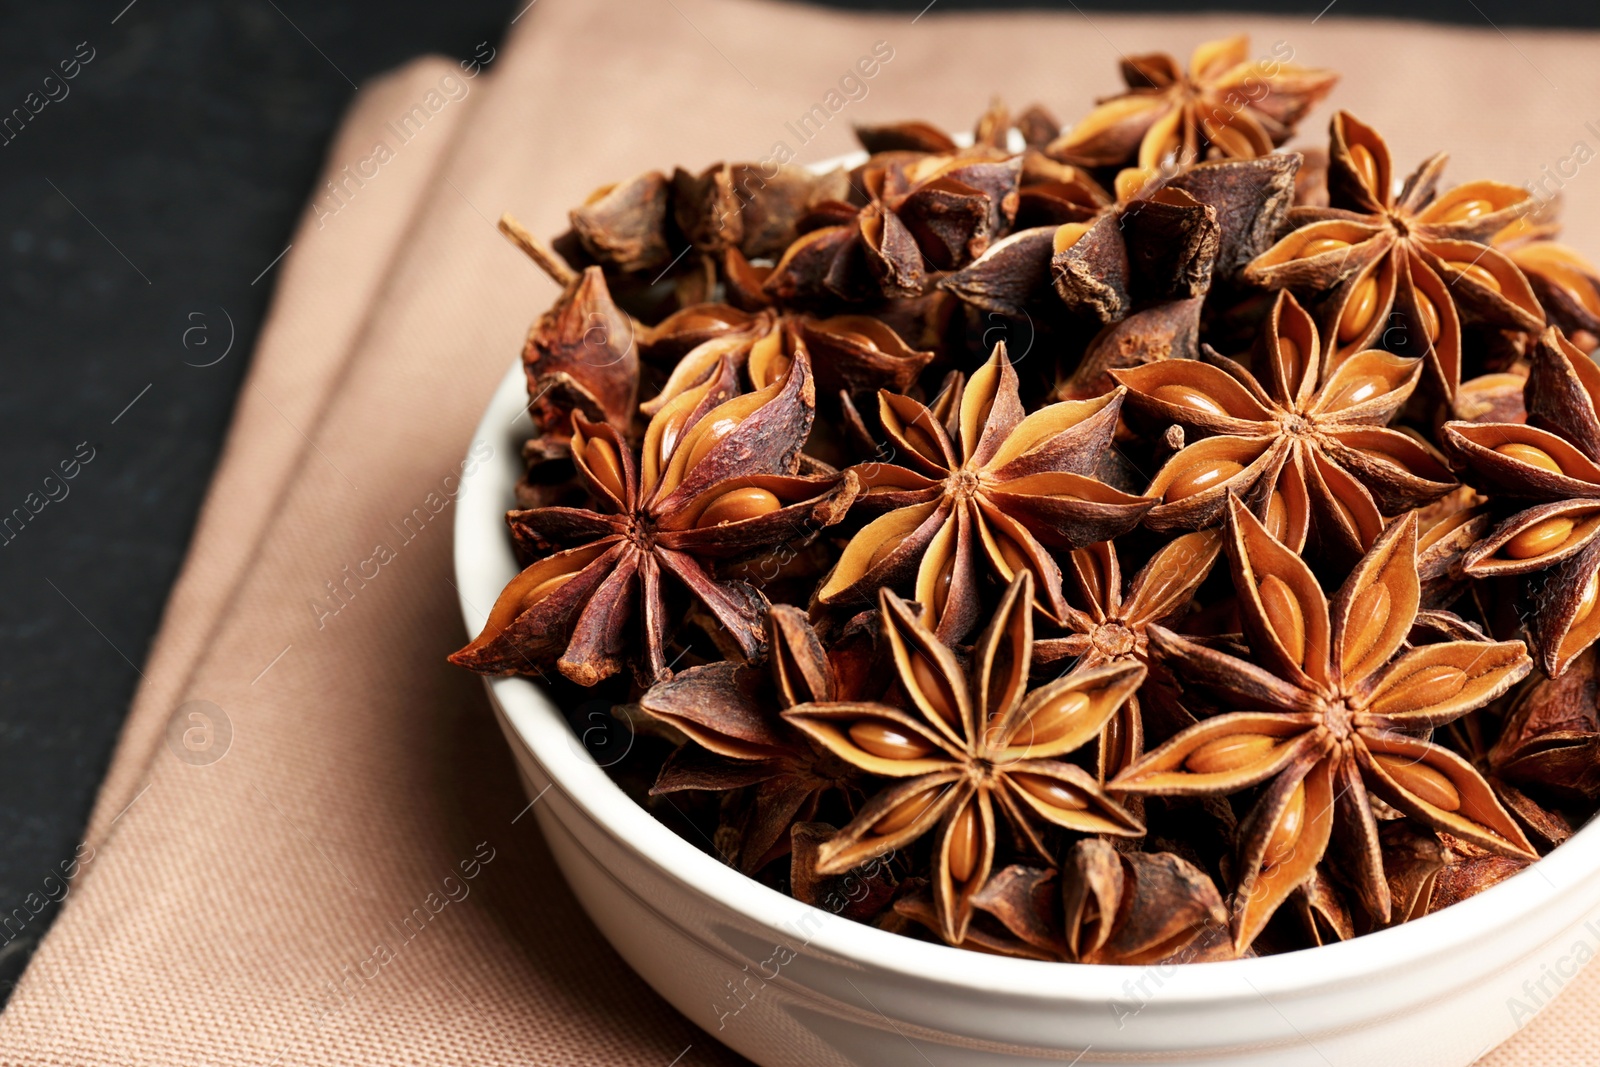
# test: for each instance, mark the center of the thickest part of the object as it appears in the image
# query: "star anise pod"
(987, 496)
(972, 740)
(1336, 712)
(713, 480)
(1551, 461)
(1111, 625)
(1309, 450)
(1227, 106)
(1401, 270)
(730, 713)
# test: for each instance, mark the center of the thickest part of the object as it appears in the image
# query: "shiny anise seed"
(1286, 832)
(1286, 616)
(888, 740)
(1183, 396)
(1203, 475)
(602, 460)
(1229, 753)
(1541, 537)
(903, 814)
(736, 505)
(1421, 781)
(1430, 685)
(1532, 455)
(1359, 311)
(966, 842)
(1054, 719)
(1366, 167)
(934, 688)
(1369, 614)
(1049, 791)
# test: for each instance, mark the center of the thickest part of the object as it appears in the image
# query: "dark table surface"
(145, 204)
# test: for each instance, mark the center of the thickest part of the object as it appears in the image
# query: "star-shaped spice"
(1553, 461)
(1335, 711)
(1112, 626)
(1308, 450)
(1227, 106)
(713, 480)
(970, 741)
(1400, 270)
(730, 713)
(985, 496)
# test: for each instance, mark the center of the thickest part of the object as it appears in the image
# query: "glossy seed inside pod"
(1357, 390)
(1229, 753)
(1184, 396)
(1369, 614)
(1531, 455)
(1289, 352)
(904, 813)
(1541, 537)
(1055, 794)
(1366, 167)
(1068, 235)
(1319, 246)
(1591, 594)
(965, 842)
(706, 437)
(1203, 474)
(545, 588)
(603, 462)
(1477, 272)
(1286, 832)
(1054, 719)
(885, 550)
(888, 740)
(1284, 615)
(736, 505)
(1429, 316)
(1359, 310)
(1421, 781)
(932, 685)
(941, 584)
(1277, 522)
(1428, 686)
(1470, 208)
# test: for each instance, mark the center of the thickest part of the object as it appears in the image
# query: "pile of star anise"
(1118, 543)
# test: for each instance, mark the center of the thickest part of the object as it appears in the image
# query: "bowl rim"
(484, 562)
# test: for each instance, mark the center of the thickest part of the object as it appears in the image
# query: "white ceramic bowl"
(785, 983)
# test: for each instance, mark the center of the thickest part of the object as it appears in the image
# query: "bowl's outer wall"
(784, 983)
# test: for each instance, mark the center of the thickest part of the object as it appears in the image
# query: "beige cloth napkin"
(224, 906)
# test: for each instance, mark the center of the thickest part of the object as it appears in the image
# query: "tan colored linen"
(223, 908)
